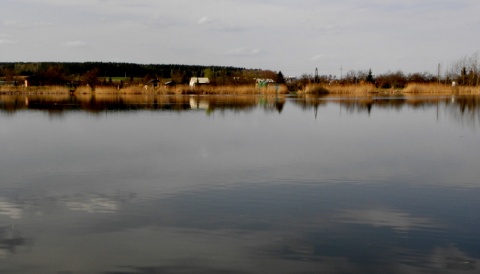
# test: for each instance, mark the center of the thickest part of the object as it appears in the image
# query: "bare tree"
(91, 78)
(474, 66)
(458, 70)
(350, 77)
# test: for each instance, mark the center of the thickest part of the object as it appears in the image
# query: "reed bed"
(176, 90)
(218, 90)
(352, 89)
(440, 89)
(311, 89)
(34, 90)
(413, 88)
(320, 89)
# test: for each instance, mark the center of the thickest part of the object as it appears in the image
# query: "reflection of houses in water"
(196, 103)
(462, 108)
(238, 103)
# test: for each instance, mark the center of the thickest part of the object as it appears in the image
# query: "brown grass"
(213, 90)
(440, 89)
(187, 90)
(412, 88)
(313, 89)
(352, 89)
(39, 90)
(139, 89)
(338, 89)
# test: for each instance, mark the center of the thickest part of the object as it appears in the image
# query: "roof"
(153, 81)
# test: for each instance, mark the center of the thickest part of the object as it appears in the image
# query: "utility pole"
(316, 76)
(341, 73)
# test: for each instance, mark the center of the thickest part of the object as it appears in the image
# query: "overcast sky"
(294, 37)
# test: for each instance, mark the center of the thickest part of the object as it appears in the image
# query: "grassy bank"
(179, 89)
(312, 89)
(338, 89)
(412, 88)
(440, 89)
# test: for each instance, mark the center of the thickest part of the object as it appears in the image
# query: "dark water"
(239, 184)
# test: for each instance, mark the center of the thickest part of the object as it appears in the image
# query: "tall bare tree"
(91, 78)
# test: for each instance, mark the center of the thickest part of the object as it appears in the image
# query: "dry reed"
(439, 89)
(320, 89)
(177, 90)
(312, 89)
(218, 90)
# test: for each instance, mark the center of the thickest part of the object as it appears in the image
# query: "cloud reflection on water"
(9, 209)
(220, 230)
(384, 217)
(462, 108)
(93, 204)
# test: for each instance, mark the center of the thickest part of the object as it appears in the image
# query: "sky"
(294, 37)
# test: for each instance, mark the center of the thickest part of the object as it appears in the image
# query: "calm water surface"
(239, 184)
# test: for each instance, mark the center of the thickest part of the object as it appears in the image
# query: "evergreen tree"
(370, 77)
(280, 78)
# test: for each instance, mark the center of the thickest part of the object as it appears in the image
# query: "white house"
(199, 81)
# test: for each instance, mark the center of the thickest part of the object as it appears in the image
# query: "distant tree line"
(465, 71)
(386, 80)
(120, 74)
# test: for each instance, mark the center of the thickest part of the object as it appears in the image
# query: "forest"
(100, 73)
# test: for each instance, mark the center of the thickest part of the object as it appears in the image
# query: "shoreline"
(310, 89)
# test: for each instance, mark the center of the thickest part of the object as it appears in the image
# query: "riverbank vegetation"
(310, 89)
(462, 77)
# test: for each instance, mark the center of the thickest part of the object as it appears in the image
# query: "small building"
(153, 83)
(34, 80)
(264, 82)
(194, 81)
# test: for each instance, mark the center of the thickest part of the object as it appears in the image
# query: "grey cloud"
(293, 32)
(6, 41)
(245, 52)
(75, 44)
(205, 20)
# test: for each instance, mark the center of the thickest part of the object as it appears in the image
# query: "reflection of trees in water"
(272, 103)
(10, 239)
(237, 103)
(222, 103)
(308, 102)
(97, 103)
(462, 108)
(367, 103)
(465, 109)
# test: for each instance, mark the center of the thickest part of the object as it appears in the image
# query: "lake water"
(239, 184)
